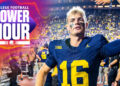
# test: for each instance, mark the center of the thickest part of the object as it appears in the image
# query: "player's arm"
(50, 63)
(110, 49)
(38, 57)
(117, 78)
(118, 1)
(41, 76)
(112, 63)
(103, 1)
(1, 72)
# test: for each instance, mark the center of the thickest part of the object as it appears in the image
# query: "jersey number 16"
(74, 73)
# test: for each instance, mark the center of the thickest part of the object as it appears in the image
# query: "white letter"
(3, 16)
(25, 16)
(1, 31)
(7, 31)
(12, 15)
(19, 15)
(16, 31)
(25, 31)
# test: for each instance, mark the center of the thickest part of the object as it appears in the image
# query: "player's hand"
(39, 59)
(116, 84)
(110, 66)
(101, 64)
(103, 1)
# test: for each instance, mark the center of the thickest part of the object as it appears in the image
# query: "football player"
(43, 56)
(78, 57)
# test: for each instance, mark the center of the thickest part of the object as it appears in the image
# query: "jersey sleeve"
(39, 54)
(51, 61)
(110, 49)
(117, 57)
(106, 59)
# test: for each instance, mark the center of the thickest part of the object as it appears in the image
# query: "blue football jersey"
(43, 55)
(78, 66)
(106, 60)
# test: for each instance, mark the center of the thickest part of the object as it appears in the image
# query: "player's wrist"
(118, 1)
(109, 65)
(116, 81)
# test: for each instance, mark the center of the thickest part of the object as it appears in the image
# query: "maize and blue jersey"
(43, 55)
(78, 66)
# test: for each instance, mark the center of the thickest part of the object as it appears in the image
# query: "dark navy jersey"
(43, 55)
(106, 60)
(78, 66)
